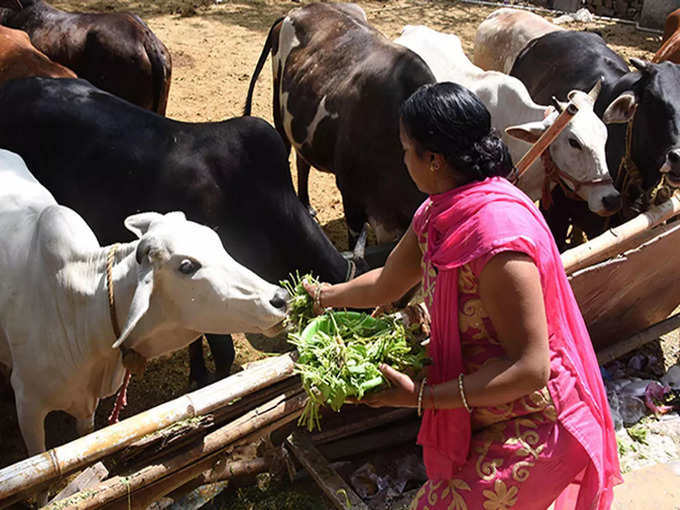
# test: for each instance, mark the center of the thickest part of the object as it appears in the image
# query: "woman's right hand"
(314, 292)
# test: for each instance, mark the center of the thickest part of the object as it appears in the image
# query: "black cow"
(107, 159)
(338, 86)
(558, 62)
(114, 51)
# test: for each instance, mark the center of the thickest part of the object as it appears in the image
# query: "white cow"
(578, 151)
(504, 34)
(56, 332)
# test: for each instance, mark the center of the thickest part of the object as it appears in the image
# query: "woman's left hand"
(403, 393)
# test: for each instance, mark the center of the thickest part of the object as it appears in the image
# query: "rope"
(628, 174)
(132, 361)
(554, 174)
(351, 270)
(110, 258)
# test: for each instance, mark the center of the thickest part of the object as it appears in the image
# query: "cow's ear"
(138, 224)
(140, 303)
(529, 132)
(621, 109)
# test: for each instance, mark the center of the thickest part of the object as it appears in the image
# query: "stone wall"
(627, 9)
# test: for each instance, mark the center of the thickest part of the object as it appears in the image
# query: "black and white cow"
(108, 159)
(338, 86)
(648, 97)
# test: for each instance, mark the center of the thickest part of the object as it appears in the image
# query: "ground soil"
(214, 49)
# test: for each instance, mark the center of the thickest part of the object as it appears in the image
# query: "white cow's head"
(187, 282)
(579, 152)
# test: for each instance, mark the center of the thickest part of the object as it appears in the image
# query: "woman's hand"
(403, 393)
(315, 293)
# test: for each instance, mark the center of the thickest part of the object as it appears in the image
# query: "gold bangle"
(420, 396)
(462, 393)
(317, 295)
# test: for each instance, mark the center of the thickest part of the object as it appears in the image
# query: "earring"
(434, 166)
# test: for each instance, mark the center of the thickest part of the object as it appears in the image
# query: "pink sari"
(480, 220)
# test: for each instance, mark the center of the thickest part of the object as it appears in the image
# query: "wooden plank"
(630, 292)
(638, 340)
(361, 425)
(85, 480)
(333, 486)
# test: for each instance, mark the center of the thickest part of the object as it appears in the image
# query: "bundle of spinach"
(300, 303)
(339, 355)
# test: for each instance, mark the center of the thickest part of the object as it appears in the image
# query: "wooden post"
(341, 494)
(546, 139)
(30, 473)
(607, 244)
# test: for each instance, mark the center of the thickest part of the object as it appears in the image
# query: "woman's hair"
(448, 119)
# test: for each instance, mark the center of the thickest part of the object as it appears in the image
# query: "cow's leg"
(557, 218)
(303, 169)
(198, 374)
(84, 426)
(222, 349)
(32, 425)
(355, 216)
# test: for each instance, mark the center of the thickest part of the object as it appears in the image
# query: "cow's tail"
(161, 65)
(161, 71)
(260, 64)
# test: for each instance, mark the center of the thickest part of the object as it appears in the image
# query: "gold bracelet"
(420, 396)
(462, 393)
(317, 295)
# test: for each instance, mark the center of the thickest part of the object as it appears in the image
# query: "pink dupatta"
(482, 219)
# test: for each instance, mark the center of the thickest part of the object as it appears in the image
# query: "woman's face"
(418, 165)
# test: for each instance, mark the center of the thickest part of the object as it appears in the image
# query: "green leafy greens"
(340, 352)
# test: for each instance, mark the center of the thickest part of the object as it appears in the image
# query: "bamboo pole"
(160, 443)
(284, 407)
(607, 244)
(32, 472)
(546, 139)
(154, 489)
(641, 338)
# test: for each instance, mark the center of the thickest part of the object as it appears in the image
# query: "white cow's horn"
(595, 91)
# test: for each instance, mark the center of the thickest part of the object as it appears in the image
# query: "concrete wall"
(649, 13)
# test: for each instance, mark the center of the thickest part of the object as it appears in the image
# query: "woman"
(515, 414)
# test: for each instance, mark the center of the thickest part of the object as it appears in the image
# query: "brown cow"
(670, 47)
(19, 58)
(116, 52)
(503, 34)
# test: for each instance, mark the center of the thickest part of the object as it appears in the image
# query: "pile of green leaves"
(339, 356)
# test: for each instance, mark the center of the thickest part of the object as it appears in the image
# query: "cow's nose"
(612, 203)
(674, 157)
(280, 299)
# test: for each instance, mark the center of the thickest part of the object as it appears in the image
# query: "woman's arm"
(379, 286)
(510, 289)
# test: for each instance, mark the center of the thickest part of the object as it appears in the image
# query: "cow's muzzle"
(671, 167)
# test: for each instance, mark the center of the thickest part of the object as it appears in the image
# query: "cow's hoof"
(196, 383)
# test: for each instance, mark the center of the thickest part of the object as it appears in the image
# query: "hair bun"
(487, 157)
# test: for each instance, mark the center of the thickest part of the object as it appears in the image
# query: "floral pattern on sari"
(507, 439)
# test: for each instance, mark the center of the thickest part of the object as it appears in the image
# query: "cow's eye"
(188, 266)
(574, 143)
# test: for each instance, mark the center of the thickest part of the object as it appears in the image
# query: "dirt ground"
(214, 49)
